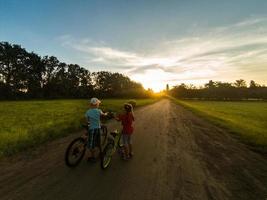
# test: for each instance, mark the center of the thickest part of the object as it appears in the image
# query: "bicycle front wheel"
(103, 135)
(107, 155)
(75, 152)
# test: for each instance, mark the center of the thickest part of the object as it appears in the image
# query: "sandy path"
(177, 156)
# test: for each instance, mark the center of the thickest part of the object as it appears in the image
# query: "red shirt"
(126, 122)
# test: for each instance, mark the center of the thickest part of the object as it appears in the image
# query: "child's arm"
(117, 117)
(132, 115)
(102, 113)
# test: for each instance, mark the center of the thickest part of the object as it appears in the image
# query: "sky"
(155, 42)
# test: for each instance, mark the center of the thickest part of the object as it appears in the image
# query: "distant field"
(29, 123)
(246, 119)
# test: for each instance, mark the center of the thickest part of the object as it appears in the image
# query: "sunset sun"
(153, 79)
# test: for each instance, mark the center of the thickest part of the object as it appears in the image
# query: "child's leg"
(130, 146)
(125, 145)
(92, 151)
(130, 150)
(126, 151)
(91, 143)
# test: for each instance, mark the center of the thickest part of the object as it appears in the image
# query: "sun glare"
(153, 79)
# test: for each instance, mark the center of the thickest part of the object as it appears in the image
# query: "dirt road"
(177, 156)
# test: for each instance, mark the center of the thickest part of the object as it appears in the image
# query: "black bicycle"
(77, 148)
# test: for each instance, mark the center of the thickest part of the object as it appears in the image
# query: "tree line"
(26, 75)
(216, 90)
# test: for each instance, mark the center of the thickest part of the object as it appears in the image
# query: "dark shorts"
(93, 138)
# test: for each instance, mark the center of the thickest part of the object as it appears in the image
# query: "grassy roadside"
(25, 124)
(245, 120)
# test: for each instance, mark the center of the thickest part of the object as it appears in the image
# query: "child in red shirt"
(127, 129)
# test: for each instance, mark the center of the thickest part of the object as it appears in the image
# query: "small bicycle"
(76, 149)
(113, 144)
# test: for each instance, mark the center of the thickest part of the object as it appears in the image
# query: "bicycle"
(77, 148)
(113, 144)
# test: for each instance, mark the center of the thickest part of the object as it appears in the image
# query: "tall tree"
(253, 84)
(50, 63)
(12, 68)
(240, 83)
(210, 84)
(35, 72)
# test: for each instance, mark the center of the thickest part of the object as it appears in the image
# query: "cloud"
(218, 52)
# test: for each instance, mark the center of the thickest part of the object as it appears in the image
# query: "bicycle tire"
(104, 135)
(120, 144)
(106, 155)
(77, 152)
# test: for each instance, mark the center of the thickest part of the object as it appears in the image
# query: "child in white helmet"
(93, 117)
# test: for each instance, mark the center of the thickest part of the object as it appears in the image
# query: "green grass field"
(25, 124)
(248, 120)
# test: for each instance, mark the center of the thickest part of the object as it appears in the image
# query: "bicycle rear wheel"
(75, 152)
(106, 155)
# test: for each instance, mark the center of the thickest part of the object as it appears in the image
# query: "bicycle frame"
(116, 136)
